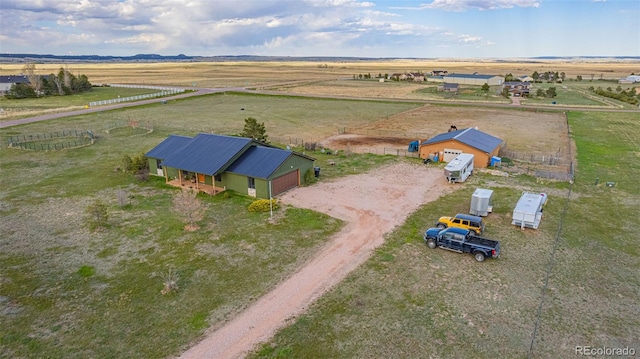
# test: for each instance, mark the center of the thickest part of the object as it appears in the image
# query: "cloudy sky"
(375, 28)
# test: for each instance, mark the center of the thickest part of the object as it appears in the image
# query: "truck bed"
(481, 241)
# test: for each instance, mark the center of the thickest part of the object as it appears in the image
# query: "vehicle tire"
(441, 225)
(431, 243)
(479, 256)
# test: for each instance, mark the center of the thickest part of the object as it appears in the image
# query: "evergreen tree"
(253, 129)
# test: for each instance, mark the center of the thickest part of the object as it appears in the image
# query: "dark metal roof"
(259, 162)
(472, 76)
(207, 153)
(13, 79)
(449, 85)
(167, 147)
(469, 136)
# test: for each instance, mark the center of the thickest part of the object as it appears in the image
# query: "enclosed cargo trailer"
(528, 210)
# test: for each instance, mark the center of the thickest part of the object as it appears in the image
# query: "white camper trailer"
(481, 202)
(459, 168)
(528, 211)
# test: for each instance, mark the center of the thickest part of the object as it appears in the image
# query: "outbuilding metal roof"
(14, 79)
(469, 136)
(471, 76)
(206, 153)
(259, 162)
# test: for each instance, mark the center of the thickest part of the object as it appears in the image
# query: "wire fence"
(164, 91)
(52, 141)
(386, 134)
(549, 160)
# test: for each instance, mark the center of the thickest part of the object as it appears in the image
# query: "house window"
(218, 178)
(251, 182)
(159, 164)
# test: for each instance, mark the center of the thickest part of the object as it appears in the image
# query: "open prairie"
(256, 74)
(68, 292)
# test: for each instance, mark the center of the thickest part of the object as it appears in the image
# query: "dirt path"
(372, 204)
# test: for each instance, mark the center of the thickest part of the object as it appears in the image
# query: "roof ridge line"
(463, 132)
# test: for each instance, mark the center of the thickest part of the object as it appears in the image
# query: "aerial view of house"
(214, 163)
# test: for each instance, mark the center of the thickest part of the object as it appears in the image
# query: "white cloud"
(463, 5)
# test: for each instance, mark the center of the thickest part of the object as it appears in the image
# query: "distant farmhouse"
(408, 76)
(630, 79)
(7, 81)
(214, 163)
(447, 87)
(517, 89)
(474, 79)
(525, 78)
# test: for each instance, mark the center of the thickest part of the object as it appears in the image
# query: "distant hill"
(42, 58)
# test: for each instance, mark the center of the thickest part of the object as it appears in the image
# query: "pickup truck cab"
(464, 221)
(462, 241)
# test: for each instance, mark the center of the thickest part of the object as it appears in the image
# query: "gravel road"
(372, 204)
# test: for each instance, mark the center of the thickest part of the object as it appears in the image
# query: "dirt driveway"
(372, 204)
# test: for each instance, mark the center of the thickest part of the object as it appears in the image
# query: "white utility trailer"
(460, 168)
(528, 211)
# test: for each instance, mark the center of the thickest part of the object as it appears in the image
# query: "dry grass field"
(256, 74)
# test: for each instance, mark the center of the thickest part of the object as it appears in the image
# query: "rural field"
(67, 291)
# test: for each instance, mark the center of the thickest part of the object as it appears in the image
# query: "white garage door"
(450, 154)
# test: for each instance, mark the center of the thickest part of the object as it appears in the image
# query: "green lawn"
(409, 301)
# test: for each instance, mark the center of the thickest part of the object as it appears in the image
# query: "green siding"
(173, 172)
(239, 184)
(302, 163)
(153, 169)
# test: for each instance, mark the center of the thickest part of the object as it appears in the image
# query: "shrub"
(309, 176)
(97, 215)
(86, 271)
(125, 163)
(170, 279)
(263, 205)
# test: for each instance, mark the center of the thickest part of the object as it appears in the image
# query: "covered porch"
(196, 182)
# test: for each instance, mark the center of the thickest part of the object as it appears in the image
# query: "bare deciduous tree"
(189, 208)
(29, 71)
(66, 77)
(58, 81)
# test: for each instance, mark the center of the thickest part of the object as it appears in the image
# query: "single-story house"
(7, 81)
(213, 163)
(474, 79)
(469, 140)
(448, 87)
(398, 76)
(416, 76)
(518, 89)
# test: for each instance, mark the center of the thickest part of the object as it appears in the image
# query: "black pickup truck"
(462, 241)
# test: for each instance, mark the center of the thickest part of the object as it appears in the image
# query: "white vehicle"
(460, 168)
